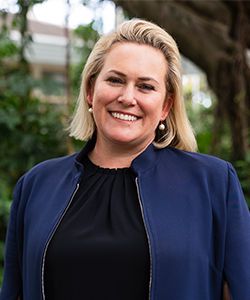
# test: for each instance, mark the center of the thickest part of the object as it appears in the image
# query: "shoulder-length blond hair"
(178, 133)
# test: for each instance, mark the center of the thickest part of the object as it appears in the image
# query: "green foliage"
(1, 260)
(29, 135)
(86, 36)
(5, 202)
(201, 119)
(50, 85)
(7, 47)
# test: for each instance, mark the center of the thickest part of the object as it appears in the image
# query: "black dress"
(100, 249)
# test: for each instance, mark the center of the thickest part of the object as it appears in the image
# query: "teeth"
(123, 116)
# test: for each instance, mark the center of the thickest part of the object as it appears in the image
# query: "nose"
(127, 96)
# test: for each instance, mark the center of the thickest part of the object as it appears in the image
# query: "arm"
(12, 269)
(237, 247)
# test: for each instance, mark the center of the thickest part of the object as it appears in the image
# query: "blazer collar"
(142, 163)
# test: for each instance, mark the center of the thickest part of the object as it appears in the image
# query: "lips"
(125, 117)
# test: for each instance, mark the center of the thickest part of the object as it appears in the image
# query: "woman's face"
(129, 95)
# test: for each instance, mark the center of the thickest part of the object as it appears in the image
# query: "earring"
(162, 127)
(90, 110)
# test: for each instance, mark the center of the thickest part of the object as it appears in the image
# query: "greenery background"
(32, 130)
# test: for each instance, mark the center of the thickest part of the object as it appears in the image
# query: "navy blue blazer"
(195, 216)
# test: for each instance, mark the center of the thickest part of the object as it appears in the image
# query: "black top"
(100, 249)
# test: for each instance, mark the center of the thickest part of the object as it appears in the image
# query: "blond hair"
(178, 133)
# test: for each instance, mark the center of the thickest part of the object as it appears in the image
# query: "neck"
(112, 155)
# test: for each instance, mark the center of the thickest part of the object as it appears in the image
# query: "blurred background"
(43, 48)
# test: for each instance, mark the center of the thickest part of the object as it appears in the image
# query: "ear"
(90, 91)
(89, 98)
(166, 107)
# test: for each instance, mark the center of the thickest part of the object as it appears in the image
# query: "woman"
(137, 214)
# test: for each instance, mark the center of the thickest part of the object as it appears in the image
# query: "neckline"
(95, 168)
(142, 163)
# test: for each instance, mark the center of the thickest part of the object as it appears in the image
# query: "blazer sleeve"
(237, 244)
(12, 283)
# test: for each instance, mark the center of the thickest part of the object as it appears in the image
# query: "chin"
(123, 136)
(124, 140)
(130, 141)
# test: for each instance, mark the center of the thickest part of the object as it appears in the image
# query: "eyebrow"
(140, 78)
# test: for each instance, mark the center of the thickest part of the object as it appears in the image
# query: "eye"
(146, 87)
(114, 80)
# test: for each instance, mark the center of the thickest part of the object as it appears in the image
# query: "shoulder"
(193, 162)
(191, 157)
(48, 170)
(57, 164)
(194, 157)
(44, 178)
(207, 173)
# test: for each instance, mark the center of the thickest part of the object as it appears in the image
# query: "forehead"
(135, 58)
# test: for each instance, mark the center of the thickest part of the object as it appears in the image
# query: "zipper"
(52, 234)
(149, 243)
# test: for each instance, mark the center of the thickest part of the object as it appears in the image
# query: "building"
(47, 57)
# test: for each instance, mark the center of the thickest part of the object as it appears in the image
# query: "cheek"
(152, 108)
(105, 95)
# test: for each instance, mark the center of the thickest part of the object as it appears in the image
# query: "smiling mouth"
(124, 117)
